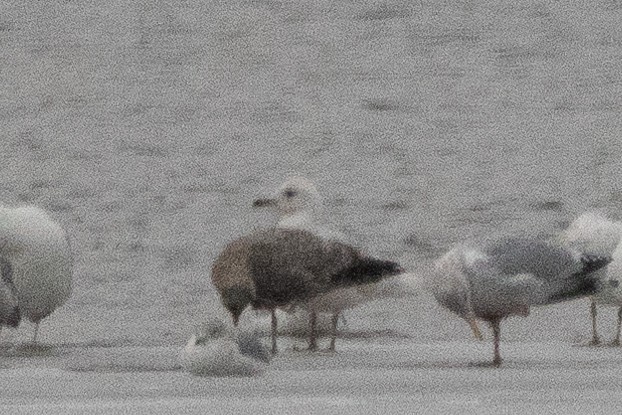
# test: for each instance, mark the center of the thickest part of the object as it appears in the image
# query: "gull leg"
(470, 315)
(34, 338)
(595, 340)
(334, 321)
(475, 328)
(312, 330)
(616, 341)
(273, 317)
(496, 331)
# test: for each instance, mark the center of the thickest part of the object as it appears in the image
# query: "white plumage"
(40, 258)
(214, 350)
(448, 280)
(595, 233)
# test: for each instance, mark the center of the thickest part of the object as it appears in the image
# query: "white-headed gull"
(494, 279)
(593, 232)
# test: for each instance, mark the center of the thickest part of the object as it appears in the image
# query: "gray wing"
(251, 345)
(515, 273)
(9, 309)
(546, 262)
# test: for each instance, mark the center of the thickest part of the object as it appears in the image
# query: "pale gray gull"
(281, 267)
(215, 349)
(38, 251)
(594, 232)
(494, 279)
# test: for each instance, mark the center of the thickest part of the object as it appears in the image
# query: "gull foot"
(485, 364)
(594, 342)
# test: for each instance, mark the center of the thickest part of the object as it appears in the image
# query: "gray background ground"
(147, 128)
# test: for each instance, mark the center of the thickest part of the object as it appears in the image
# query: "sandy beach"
(147, 129)
(366, 376)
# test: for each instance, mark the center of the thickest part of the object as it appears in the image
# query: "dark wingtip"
(592, 263)
(392, 268)
(368, 270)
(585, 284)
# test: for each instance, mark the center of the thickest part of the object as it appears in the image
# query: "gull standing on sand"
(215, 350)
(495, 279)
(280, 267)
(595, 233)
(40, 259)
(299, 206)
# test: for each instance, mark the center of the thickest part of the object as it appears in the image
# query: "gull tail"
(583, 282)
(366, 270)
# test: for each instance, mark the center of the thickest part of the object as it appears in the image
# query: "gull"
(594, 232)
(282, 267)
(300, 206)
(215, 350)
(9, 309)
(40, 258)
(494, 279)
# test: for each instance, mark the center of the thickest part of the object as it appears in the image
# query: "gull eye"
(290, 193)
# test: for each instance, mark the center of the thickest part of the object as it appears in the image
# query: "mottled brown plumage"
(278, 267)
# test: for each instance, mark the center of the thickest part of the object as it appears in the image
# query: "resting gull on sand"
(593, 232)
(40, 258)
(494, 279)
(215, 350)
(279, 267)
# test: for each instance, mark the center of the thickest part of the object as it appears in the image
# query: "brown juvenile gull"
(492, 280)
(299, 206)
(279, 267)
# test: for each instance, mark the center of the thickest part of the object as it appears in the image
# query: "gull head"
(296, 195)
